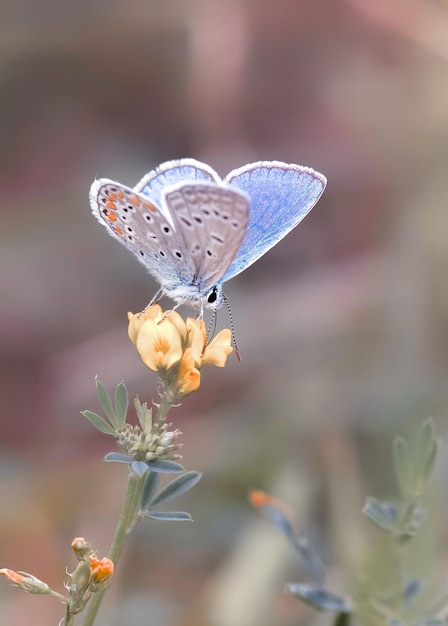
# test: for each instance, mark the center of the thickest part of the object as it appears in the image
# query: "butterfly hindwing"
(280, 196)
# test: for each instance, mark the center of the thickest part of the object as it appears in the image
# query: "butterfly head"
(212, 299)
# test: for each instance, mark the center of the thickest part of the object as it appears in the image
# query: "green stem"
(69, 619)
(125, 523)
(162, 411)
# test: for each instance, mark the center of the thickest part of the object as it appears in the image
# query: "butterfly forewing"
(213, 221)
(281, 195)
(174, 172)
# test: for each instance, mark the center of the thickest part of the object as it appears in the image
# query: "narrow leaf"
(144, 415)
(424, 451)
(106, 402)
(116, 457)
(170, 517)
(279, 519)
(121, 404)
(430, 462)
(150, 487)
(319, 598)
(165, 467)
(402, 464)
(383, 514)
(98, 422)
(176, 487)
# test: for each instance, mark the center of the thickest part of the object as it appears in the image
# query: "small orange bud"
(81, 548)
(101, 571)
(26, 582)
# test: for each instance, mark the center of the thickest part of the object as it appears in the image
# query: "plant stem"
(125, 523)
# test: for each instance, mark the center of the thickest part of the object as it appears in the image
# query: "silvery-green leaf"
(139, 468)
(278, 518)
(383, 514)
(310, 560)
(176, 487)
(150, 487)
(106, 402)
(319, 598)
(121, 404)
(165, 467)
(176, 516)
(116, 457)
(98, 422)
(402, 464)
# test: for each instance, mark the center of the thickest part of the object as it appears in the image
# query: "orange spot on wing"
(111, 205)
(118, 230)
(150, 207)
(111, 216)
(135, 200)
(119, 194)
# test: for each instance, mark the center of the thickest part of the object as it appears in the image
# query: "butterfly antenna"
(212, 324)
(232, 328)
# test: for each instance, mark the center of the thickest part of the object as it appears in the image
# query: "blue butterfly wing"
(280, 197)
(172, 173)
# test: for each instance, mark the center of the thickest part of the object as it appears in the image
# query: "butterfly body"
(194, 231)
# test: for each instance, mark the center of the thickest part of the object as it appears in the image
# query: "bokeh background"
(343, 327)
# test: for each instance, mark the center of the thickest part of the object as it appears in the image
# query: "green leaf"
(428, 468)
(121, 404)
(318, 598)
(383, 514)
(424, 454)
(402, 463)
(165, 467)
(106, 402)
(150, 487)
(98, 422)
(176, 516)
(176, 487)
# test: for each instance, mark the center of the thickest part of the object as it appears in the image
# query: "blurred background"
(342, 327)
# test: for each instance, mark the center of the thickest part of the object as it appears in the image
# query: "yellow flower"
(177, 349)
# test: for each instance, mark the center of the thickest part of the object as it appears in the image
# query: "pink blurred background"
(342, 327)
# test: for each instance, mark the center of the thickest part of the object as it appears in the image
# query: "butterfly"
(194, 231)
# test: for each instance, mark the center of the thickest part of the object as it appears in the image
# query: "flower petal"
(218, 349)
(189, 377)
(159, 345)
(136, 320)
